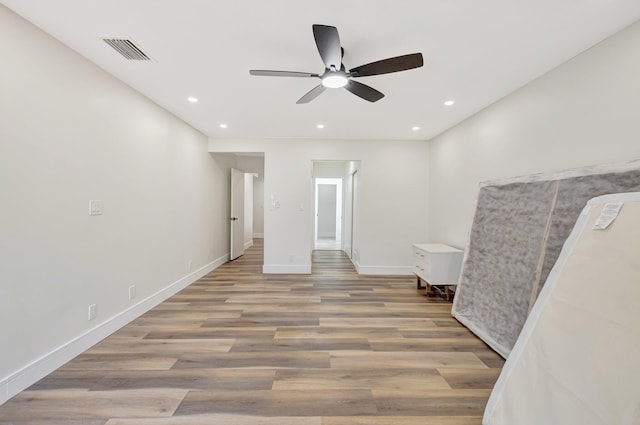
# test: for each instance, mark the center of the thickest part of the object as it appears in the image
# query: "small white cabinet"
(437, 265)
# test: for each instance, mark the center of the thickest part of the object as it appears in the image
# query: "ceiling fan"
(335, 74)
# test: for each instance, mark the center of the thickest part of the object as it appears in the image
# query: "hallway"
(239, 347)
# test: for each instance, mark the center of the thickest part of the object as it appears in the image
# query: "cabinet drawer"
(437, 264)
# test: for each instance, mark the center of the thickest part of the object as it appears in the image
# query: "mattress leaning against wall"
(576, 360)
(518, 230)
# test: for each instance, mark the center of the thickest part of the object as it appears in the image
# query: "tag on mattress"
(607, 215)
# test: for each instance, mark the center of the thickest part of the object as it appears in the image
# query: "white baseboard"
(4, 391)
(286, 269)
(385, 270)
(38, 369)
(258, 235)
(356, 264)
(248, 244)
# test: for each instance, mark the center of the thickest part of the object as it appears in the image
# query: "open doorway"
(328, 217)
(247, 202)
(342, 177)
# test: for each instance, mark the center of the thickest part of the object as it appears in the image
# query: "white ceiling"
(476, 52)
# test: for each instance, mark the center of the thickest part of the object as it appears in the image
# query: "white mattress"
(577, 360)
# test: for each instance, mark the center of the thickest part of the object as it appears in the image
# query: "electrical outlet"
(132, 292)
(190, 264)
(95, 207)
(93, 311)
(291, 258)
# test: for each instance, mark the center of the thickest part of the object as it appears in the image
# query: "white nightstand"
(437, 265)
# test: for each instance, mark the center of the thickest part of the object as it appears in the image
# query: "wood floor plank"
(401, 420)
(426, 344)
(437, 403)
(490, 357)
(261, 298)
(240, 347)
(215, 333)
(256, 360)
(376, 322)
(256, 322)
(76, 404)
(275, 402)
(58, 422)
(381, 379)
(470, 378)
(312, 344)
(191, 379)
(162, 347)
(334, 332)
(88, 361)
(221, 419)
(401, 359)
(69, 379)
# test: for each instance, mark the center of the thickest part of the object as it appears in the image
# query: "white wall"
(586, 111)
(329, 169)
(70, 132)
(392, 192)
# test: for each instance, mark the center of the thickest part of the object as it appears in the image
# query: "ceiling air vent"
(127, 49)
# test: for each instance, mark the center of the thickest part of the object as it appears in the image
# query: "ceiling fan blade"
(328, 42)
(364, 91)
(312, 94)
(385, 66)
(267, 73)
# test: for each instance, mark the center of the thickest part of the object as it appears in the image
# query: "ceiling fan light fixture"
(335, 80)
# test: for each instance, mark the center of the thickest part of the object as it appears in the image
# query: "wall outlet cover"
(93, 311)
(95, 207)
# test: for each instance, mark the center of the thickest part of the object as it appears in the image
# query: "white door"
(327, 209)
(237, 213)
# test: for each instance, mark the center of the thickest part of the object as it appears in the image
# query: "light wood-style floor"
(238, 347)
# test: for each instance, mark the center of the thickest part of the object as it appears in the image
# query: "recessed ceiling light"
(449, 103)
(415, 128)
(320, 126)
(223, 126)
(192, 99)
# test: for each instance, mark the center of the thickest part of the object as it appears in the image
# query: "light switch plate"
(95, 207)
(93, 311)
